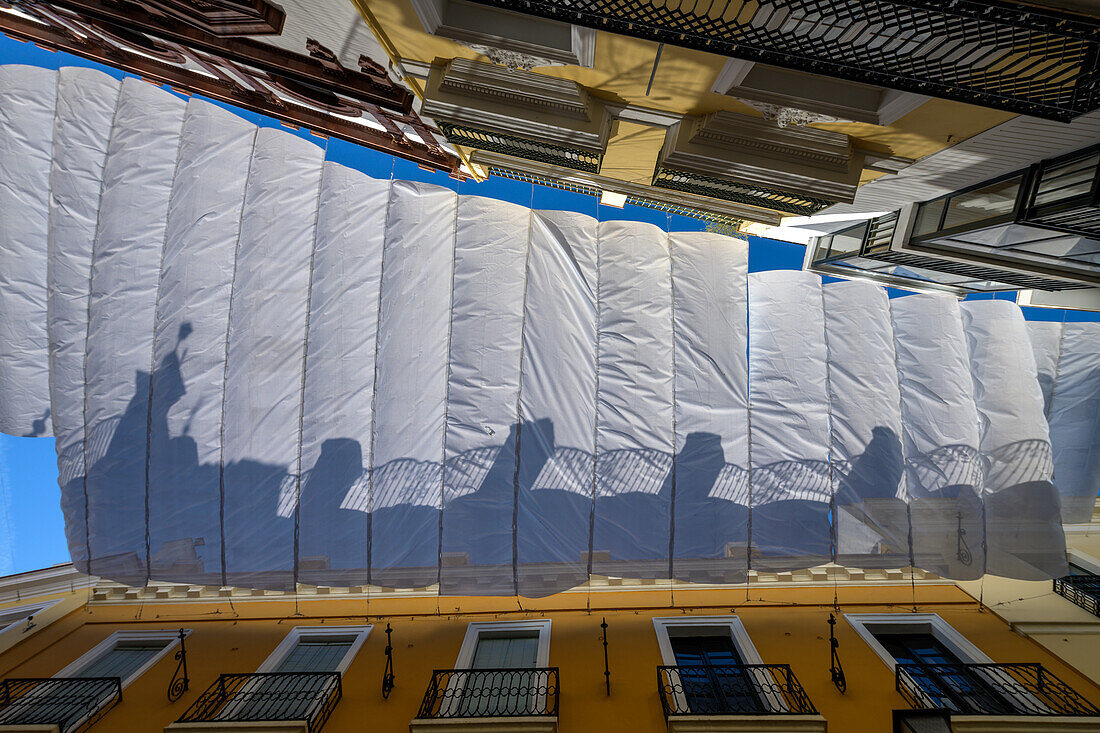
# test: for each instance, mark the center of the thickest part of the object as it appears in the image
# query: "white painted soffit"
(1002, 149)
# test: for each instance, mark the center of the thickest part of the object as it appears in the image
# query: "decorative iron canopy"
(1032, 61)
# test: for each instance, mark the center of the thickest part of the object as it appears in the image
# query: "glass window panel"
(998, 199)
(123, 660)
(494, 693)
(1066, 181)
(956, 687)
(847, 240)
(316, 654)
(928, 217)
(712, 676)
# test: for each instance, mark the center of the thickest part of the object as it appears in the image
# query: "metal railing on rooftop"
(268, 696)
(491, 693)
(740, 689)
(990, 689)
(71, 703)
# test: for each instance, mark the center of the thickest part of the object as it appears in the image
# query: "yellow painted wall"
(787, 625)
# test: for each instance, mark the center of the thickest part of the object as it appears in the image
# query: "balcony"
(1084, 590)
(746, 697)
(56, 705)
(506, 700)
(274, 702)
(980, 698)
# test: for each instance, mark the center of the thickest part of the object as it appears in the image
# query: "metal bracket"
(179, 684)
(836, 671)
(388, 676)
(606, 668)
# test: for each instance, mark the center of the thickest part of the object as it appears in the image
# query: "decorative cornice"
(517, 87)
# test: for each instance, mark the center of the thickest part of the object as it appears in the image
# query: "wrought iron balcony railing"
(990, 689)
(742, 689)
(491, 693)
(71, 703)
(1084, 590)
(269, 696)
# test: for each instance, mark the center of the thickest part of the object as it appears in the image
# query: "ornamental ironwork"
(990, 689)
(491, 693)
(735, 689)
(268, 696)
(70, 703)
(742, 193)
(180, 682)
(519, 147)
(1039, 62)
(311, 90)
(1084, 590)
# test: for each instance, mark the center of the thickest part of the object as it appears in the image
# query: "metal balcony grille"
(491, 693)
(742, 193)
(71, 703)
(1028, 60)
(742, 689)
(270, 696)
(518, 147)
(1084, 590)
(978, 272)
(990, 689)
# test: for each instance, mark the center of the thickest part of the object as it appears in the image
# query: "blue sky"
(31, 526)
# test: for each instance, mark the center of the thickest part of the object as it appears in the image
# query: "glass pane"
(956, 687)
(995, 200)
(502, 693)
(1066, 181)
(122, 661)
(928, 217)
(712, 676)
(847, 240)
(315, 655)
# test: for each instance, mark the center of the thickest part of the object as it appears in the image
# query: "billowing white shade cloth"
(263, 368)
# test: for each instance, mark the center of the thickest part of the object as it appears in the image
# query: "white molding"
(57, 579)
(476, 629)
(731, 75)
(1084, 560)
(168, 636)
(584, 45)
(301, 632)
(643, 115)
(27, 611)
(1028, 628)
(896, 104)
(430, 13)
(729, 624)
(929, 622)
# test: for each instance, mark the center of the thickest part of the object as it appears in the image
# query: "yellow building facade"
(59, 622)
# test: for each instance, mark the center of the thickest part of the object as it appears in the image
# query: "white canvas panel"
(635, 402)
(1023, 528)
(26, 123)
(941, 441)
(126, 264)
(86, 102)
(710, 305)
(484, 434)
(413, 335)
(339, 388)
(870, 518)
(185, 404)
(558, 404)
(1046, 345)
(1075, 421)
(266, 349)
(789, 421)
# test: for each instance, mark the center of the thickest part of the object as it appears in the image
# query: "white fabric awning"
(263, 368)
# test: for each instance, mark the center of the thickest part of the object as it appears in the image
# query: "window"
(90, 685)
(297, 677)
(21, 616)
(503, 677)
(712, 667)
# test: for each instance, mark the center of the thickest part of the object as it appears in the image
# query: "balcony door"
(956, 687)
(501, 680)
(712, 675)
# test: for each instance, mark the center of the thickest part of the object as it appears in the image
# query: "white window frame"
(717, 626)
(866, 623)
(1084, 561)
(169, 636)
(476, 629)
(29, 611)
(466, 652)
(290, 641)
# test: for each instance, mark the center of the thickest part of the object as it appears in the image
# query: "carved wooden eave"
(223, 17)
(311, 90)
(516, 103)
(756, 152)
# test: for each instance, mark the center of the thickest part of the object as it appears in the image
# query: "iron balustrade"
(1029, 60)
(491, 693)
(268, 696)
(1084, 590)
(71, 703)
(990, 689)
(739, 689)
